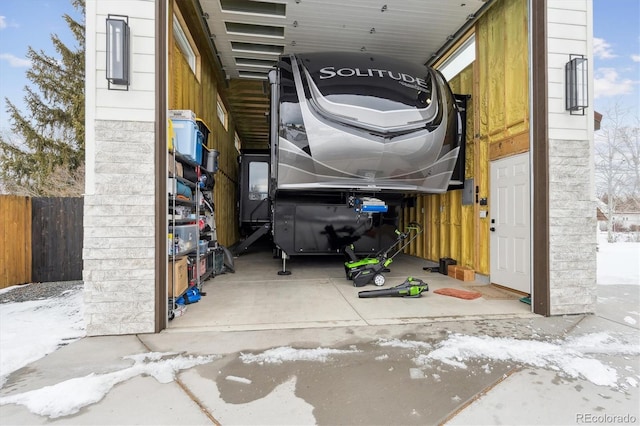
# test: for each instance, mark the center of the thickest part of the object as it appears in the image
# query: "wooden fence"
(56, 239)
(41, 239)
(15, 240)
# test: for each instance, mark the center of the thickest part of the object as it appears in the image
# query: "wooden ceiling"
(249, 105)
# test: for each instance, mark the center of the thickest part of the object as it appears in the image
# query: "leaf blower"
(411, 287)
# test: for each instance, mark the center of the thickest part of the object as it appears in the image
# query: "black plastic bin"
(205, 131)
(444, 264)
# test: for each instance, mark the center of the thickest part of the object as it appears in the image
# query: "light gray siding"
(572, 208)
(119, 222)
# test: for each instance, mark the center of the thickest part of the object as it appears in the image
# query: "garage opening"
(258, 254)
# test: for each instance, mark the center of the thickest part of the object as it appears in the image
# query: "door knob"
(492, 229)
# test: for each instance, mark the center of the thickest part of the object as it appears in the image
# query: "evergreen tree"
(44, 155)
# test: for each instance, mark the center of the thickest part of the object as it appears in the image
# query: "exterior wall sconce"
(118, 51)
(577, 88)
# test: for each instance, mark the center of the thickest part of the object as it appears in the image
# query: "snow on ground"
(31, 330)
(239, 379)
(287, 353)
(570, 357)
(406, 344)
(68, 397)
(618, 263)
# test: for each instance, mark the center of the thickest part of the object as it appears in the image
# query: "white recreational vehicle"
(352, 136)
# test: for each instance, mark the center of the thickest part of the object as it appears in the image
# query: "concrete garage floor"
(317, 294)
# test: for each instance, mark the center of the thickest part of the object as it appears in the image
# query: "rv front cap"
(330, 72)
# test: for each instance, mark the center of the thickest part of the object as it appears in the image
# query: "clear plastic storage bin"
(188, 139)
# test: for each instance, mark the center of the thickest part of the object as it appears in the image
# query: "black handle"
(379, 293)
(492, 229)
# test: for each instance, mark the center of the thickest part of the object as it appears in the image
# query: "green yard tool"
(369, 269)
(411, 287)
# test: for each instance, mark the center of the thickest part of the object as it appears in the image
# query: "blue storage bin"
(189, 139)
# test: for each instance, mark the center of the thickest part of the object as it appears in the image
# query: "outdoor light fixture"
(118, 51)
(577, 90)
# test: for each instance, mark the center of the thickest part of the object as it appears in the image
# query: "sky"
(616, 48)
(31, 330)
(25, 23)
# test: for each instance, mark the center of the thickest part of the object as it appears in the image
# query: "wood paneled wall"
(497, 126)
(199, 92)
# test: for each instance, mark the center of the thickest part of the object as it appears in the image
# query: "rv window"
(258, 183)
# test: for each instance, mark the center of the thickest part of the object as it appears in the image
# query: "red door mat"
(461, 294)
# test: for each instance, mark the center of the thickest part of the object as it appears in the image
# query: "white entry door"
(510, 223)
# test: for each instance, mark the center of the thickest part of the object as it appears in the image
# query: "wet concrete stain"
(375, 377)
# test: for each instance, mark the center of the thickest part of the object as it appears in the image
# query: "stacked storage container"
(192, 190)
(189, 138)
(209, 156)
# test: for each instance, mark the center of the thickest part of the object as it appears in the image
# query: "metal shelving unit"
(197, 210)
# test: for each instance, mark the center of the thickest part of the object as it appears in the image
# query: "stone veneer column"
(119, 228)
(572, 228)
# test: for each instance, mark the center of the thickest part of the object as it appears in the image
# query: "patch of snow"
(617, 263)
(569, 358)
(403, 344)
(68, 397)
(287, 353)
(416, 373)
(30, 330)
(601, 343)
(630, 320)
(238, 379)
